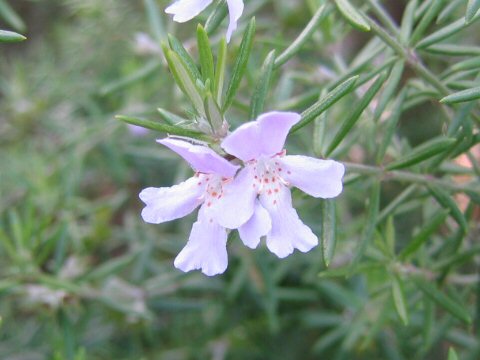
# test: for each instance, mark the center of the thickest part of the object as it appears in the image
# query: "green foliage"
(395, 275)
(10, 36)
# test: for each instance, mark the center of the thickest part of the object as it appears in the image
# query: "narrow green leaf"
(216, 18)
(424, 234)
(155, 21)
(390, 127)
(261, 88)
(171, 118)
(10, 36)
(184, 80)
(390, 235)
(369, 224)
(68, 335)
(205, 53)
(304, 36)
(408, 20)
(240, 65)
(363, 59)
(399, 299)
(462, 96)
(220, 70)
(468, 64)
(9, 248)
(453, 50)
(319, 133)
(422, 9)
(450, 8)
(457, 258)
(462, 85)
(344, 296)
(350, 121)
(11, 17)
(113, 266)
(178, 48)
(214, 115)
(452, 354)
(58, 283)
(447, 202)
(384, 17)
(429, 322)
(325, 102)
(329, 338)
(328, 233)
(145, 71)
(433, 10)
(389, 90)
(352, 15)
(16, 227)
(472, 8)
(422, 153)
(443, 33)
(454, 308)
(396, 202)
(169, 129)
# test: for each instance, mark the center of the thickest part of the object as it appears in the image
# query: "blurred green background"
(83, 277)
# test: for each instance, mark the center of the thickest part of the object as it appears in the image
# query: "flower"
(206, 246)
(185, 10)
(256, 200)
(260, 193)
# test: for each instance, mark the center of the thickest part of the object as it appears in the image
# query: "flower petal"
(184, 10)
(258, 226)
(288, 231)
(316, 177)
(206, 248)
(265, 136)
(169, 203)
(235, 9)
(201, 158)
(236, 205)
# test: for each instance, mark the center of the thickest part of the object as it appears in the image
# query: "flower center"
(268, 178)
(213, 187)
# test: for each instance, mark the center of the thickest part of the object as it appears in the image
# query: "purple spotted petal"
(288, 231)
(258, 225)
(184, 10)
(206, 248)
(201, 158)
(169, 203)
(235, 9)
(318, 178)
(265, 136)
(236, 205)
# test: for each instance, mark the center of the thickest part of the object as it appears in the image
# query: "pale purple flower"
(185, 10)
(258, 202)
(206, 246)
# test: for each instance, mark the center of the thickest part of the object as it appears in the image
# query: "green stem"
(424, 179)
(409, 56)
